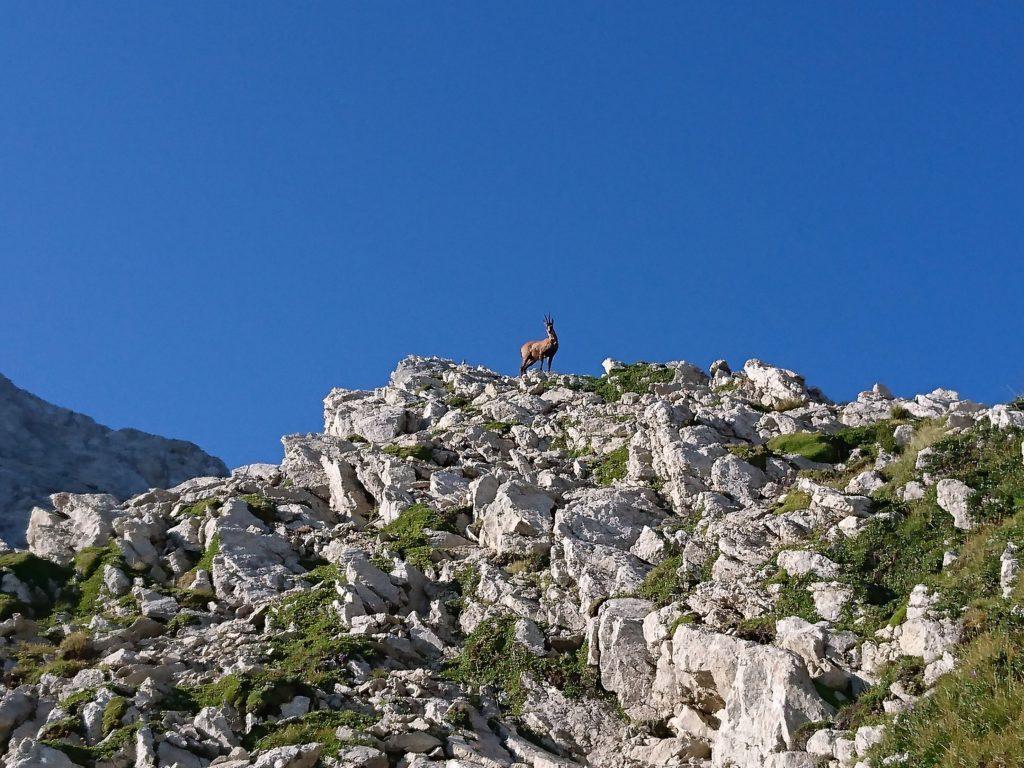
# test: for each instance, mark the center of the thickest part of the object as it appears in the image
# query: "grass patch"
(789, 404)
(33, 660)
(974, 717)
(612, 466)
(319, 726)
(76, 645)
(752, 454)
(662, 584)
(212, 550)
(100, 754)
(407, 534)
(903, 470)
(116, 709)
(491, 656)
(795, 501)
(867, 709)
(989, 461)
(795, 599)
(631, 378)
(37, 574)
(811, 445)
(892, 554)
(202, 508)
(313, 646)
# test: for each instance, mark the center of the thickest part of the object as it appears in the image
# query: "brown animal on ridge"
(539, 351)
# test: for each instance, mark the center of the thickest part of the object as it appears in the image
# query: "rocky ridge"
(46, 449)
(658, 567)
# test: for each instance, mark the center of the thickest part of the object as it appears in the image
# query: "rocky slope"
(45, 449)
(658, 567)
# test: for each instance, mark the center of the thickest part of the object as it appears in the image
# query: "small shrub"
(76, 645)
(662, 584)
(612, 466)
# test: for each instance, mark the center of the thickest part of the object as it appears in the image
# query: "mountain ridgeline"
(661, 566)
(45, 449)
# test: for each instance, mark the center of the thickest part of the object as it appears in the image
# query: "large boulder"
(626, 665)
(251, 564)
(770, 698)
(518, 521)
(954, 497)
(76, 521)
(775, 386)
(594, 534)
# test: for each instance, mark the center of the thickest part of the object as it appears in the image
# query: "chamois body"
(539, 351)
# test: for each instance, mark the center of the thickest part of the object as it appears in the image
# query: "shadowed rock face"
(45, 449)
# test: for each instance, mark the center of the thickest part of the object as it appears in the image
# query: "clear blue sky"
(211, 213)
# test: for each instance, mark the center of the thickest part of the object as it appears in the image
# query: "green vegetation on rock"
(811, 445)
(491, 656)
(319, 726)
(662, 584)
(501, 427)
(795, 501)
(421, 452)
(974, 716)
(631, 378)
(612, 466)
(261, 507)
(201, 508)
(407, 534)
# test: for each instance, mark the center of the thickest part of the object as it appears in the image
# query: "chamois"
(539, 351)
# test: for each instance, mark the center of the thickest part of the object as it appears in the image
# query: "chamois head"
(549, 324)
